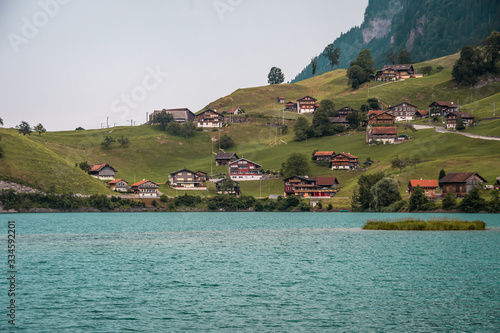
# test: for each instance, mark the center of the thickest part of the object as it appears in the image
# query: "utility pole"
(107, 122)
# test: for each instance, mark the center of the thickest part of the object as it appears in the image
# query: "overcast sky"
(70, 63)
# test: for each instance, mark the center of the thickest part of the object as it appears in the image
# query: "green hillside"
(49, 160)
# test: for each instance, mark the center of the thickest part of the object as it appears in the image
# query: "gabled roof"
(244, 159)
(180, 170)
(464, 115)
(422, 112)
(98, 167)
(398, 67)
(303, 98)
(233, 110)
(114, 181)
(393, 130)
(374, 112)
(305, 178)
(225, 156)
(324, 153)
(444, 103)
(424, 183)
(397, 105)
(201, 172)
(326, 181)
(209, 110)
(346, 108)
(139, 183)
(281, 97)
(459, 177)
(290, 103)
(346, 155)
(179, 110)
(381, 113)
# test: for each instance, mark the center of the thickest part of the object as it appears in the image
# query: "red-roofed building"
(234, 111)
(291, 106)
(428, 185)
(324, 155)
(311, 187)
(145, 188)
(374, 113)
(102, 171)
(344, 161)
(281, 100)
(382, 134)
(118, 185)
(460, 183)
(421, 114)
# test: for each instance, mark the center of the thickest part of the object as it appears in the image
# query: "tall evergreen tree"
(314, 65)
(442, 173)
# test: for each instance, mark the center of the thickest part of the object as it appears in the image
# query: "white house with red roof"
(244, 169)
(145, 189)
(102, 171)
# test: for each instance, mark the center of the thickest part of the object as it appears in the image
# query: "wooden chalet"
(460, 183)
(145, 188)
(374, 113)
(445, 106)
(185, 179)
(180, 115)
(291, 106)
(118, 185)
(306, 104)
(345, 111)
(222, 159)
(344, 161)
(428, 185)
(210, 119)
(281, 100)
(452, 117)
(340, 121)
(311, 187)
(383, 118)
(244, 169)
(403, 111)
(102, 171)
(324, 155)
(421, 114)
(224, 190)
(396, 72)
(381, 134)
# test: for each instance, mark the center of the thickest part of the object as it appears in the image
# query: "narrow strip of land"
(442, 130)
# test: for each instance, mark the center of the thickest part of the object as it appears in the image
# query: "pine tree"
(442, 173)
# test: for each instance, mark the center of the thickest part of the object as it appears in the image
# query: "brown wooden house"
(445, 106)
(310, 187)
(396, 72)
(291, 106)
(180, 115)
(384, 118)
(339, 121)
(381, 134)
(306, 104)
(345, 111)
(185, 179)
(460, 183)
(210, 118)
(222, 159)
(421, 114)
(324, 155)
(428, 185)
(118, 185)
(452, 118)
(344, 161)
(233, 190)
(403, 111)
(281, 100)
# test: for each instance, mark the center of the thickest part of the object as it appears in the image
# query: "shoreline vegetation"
(441, 224)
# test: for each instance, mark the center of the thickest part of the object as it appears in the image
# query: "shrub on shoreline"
(418, 224)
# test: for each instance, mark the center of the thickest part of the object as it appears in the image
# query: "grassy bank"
(417, 224)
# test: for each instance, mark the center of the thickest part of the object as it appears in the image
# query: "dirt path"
(442, 130)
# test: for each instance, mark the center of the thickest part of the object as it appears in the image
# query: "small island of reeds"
(443, 224)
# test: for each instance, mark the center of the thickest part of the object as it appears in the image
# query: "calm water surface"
(249, 272)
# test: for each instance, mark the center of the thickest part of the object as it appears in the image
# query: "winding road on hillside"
(442, 130)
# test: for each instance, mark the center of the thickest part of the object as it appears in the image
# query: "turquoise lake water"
(248, 272)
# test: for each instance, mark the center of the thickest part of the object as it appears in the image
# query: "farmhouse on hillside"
(222, 187)
(428, 185)
(244, 169)
(323, 155)
(421, 114)
(102, 171)
(403, 111)
(210, 119)
(452, 117)
(396, 72)
(185, 179)
(118, 185)
(180, 115)
(383, 118)
(339, 121)
(145, 188)
(344, 161)
(281, 100)
(291, 106)
(234, 111)
(381, 134)
(306, 104)
(460, 183)
(222, 159)
(310, 187)
(345, 111)
(445, 106)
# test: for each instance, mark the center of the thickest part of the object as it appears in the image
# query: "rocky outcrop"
(18, 188)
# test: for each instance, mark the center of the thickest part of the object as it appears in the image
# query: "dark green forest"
(427, 29)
